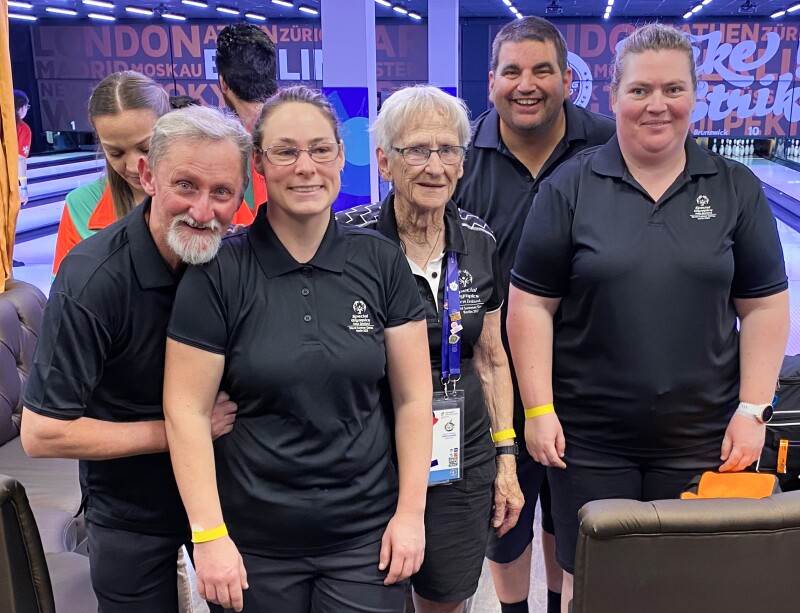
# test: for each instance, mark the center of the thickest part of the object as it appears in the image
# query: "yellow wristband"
(540, 410)
(503, 435)
(213, 534)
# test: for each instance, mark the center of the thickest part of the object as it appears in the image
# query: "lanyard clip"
(447, 382)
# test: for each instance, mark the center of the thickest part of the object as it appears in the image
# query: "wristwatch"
(507, 450)
(761, 412)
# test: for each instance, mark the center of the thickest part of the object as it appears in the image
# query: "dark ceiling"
(715, 9)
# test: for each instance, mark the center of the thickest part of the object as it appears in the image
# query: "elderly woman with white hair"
(422, 135)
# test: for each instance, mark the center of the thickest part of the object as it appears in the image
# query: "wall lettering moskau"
(182, 57)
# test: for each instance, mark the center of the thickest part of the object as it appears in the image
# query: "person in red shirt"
(123, 108)
(21, 106)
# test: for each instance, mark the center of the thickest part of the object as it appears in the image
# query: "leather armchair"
(712, 555)
(21, 306)
(24, 579)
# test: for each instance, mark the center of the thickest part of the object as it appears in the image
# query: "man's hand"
(222, 415)
(544, 438)
(402, 546)
(221, 576)
(508, 498)
(742, 444)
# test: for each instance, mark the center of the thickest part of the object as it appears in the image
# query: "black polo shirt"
(499, 189)
(646, 357)
(307, 468)
(479, 292)
(101, 355)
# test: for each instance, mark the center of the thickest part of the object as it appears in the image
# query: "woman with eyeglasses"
(421, 136)
(316, 330)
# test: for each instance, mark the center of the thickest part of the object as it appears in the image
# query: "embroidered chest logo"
(360, 320)
(703, 210)
(471, 302)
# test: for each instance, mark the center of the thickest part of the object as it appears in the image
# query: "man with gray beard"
(95, 391)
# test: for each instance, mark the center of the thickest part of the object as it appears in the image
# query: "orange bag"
(712, 484)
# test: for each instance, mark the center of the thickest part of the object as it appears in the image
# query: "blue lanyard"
(451, 324)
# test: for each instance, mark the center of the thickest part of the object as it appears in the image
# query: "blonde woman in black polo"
(635, 262)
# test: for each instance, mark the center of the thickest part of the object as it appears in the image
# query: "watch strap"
(756, 411)
(507, 450)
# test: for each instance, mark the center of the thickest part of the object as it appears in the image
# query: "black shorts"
(594, 475)
(342, 582)
(533, 482)
(132, 571)
(457, 524)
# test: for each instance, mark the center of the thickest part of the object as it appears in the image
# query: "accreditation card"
(448, 437)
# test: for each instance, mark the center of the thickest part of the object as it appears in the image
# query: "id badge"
(448, 437)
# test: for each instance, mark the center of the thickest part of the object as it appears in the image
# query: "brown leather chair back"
(24, 580)
(714, 555)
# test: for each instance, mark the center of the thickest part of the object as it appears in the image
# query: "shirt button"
(305, 270)
(430, 298)
(434, 274)
(305, 291)
(306, 318)
(528, 178)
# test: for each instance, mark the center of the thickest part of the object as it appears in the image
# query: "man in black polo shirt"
(96, 385)
(532, 128)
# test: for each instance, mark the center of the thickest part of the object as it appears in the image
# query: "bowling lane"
(782, 178)
(37, 257)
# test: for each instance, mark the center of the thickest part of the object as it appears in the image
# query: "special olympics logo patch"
(359, 307)
(580, 90)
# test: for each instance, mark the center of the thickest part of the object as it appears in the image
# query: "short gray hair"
(200, 123)
(653, 37)
(419, 101)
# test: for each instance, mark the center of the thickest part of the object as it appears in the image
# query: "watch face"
(767, 413)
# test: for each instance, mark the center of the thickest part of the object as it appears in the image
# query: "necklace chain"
(435, 243)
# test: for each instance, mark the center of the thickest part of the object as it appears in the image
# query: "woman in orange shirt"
(123, 109)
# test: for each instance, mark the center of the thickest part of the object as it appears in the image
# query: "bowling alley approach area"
(270, 229)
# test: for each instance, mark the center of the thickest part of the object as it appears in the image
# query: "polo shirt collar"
(488, 133)
(454, 231)
(275, 260)
(608, 160)
(150, 268)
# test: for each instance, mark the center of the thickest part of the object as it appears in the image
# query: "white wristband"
(747, 414)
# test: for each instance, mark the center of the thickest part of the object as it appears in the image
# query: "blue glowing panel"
(352, 107)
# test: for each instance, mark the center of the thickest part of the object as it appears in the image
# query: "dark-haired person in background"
(21, 106)
(532, 128)
(247, 77)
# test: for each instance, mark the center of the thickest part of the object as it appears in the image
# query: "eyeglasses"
(417, 156)
(281, 155)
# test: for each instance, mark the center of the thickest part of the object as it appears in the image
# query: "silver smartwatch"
(762, 413)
